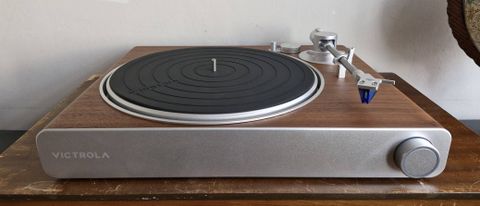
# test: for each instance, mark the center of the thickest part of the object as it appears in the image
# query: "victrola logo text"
(80, 155)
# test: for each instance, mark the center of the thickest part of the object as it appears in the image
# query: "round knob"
(318, 36)
(417, 157)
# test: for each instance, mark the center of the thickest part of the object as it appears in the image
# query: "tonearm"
(325, 52)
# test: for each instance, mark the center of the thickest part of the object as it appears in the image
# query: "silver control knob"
(417, 157)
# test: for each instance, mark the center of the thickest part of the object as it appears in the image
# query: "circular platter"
(211, 85)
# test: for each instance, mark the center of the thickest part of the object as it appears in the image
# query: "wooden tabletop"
(22, 178)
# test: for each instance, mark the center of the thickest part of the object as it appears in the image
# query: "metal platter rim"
(127, 107)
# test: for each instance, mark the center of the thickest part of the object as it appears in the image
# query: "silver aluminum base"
(317, 57)
(230, 152)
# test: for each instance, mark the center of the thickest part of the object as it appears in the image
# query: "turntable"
(243, 112)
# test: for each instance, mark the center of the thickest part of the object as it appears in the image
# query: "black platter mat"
(183, 80)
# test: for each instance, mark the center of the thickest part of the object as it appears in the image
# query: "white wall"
(48, 47)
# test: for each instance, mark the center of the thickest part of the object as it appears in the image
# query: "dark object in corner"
(456, 20)
(7, 137)
(473, 124)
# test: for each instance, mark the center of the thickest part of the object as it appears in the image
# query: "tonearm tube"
(325, 52)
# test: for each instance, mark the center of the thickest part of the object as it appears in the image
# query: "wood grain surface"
(22, 178)
(248, 203)
(337, 106)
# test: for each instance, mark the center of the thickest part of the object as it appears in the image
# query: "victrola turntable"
(243, 112)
